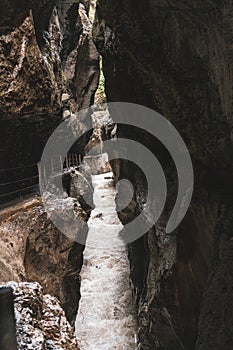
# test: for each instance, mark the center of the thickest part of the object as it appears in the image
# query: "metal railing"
(30, 185)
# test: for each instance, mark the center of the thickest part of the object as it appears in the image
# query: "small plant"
(100, 96)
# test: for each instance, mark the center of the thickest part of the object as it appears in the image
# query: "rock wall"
(32, 76)
(33, 249)
(40, 321)
(43, 45)
(176, 58)
(50, 70)
(82, 66)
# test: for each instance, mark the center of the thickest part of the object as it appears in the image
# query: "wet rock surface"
(35, 61)
(95, 157)
(176, 58)
(82, 65)
(49, 69)
(32, 79)
(42, 253)
(40, 321)
(106, 317)
(38, 90)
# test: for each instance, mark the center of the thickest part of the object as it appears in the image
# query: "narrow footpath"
(106, 318)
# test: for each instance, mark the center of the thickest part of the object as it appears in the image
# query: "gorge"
(174, 57)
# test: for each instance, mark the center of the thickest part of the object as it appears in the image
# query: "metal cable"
(19, 167)
(13, 182)
(22, 189)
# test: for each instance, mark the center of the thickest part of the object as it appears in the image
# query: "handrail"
(21, 190)
(18, 167)
(71, 160)
(17, 181)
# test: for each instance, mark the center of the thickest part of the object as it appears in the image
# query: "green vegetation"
(100, 96)
(92, 10)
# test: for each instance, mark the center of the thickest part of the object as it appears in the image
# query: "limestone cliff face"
(36, 42)
(49, 69)
(38, 90)
(176, 57)
(33, 249)
(82, 65)
(40, 321)
(31, 77)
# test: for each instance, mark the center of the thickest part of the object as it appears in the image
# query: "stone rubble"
(41, 323)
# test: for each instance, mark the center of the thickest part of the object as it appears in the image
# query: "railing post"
(76, 160)
(7, 320)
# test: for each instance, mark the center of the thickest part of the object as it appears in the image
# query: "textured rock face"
(31, 88)
(82, 66)
(32, 80)
(10, 18)
(176, 57)
(46, 52)
(35, 45)
(40, 252)
(44, 47)
(40, 321)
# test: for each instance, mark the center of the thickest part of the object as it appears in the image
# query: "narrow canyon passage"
(106, 318)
